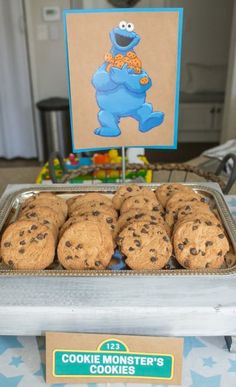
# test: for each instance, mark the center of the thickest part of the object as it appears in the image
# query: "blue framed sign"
(123, 68)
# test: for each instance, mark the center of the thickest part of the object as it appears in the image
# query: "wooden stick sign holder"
(123, 164)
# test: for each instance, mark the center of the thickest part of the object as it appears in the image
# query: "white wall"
(47, 56)
(229, 121)
(206, 33)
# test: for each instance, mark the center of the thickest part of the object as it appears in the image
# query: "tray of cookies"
(117, 230)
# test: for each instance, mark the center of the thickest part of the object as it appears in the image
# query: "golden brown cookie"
(119, 195)
(70, 201)
(118, 63)
(178, 200)
(28, 245)
(146, 246)
(68, 223)
(108, 57)
(200, 244)
(139, 215)
(94, 206)
(43, 215)
(126, 191)
(107, 217)
(197, 216)
(192, 208)
(56, 203)
(119, 57)
(144, 81)
(143, 202)
(131, 55)
(137, 70)
(136, 62)
(165, 191)
(43, 197)
(179, 211)
(127, 60)
(91, 196)
(86, 245)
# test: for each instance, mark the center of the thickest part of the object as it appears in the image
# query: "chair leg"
(232, 177)
(231, 343)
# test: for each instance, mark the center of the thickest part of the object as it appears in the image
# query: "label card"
(81, 358)
(123, 70)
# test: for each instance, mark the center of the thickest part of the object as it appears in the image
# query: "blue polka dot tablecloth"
(206, 360)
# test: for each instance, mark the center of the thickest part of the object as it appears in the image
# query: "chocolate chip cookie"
(28, 245)
(86, 245)
(44, 215)
(191, 208)
(146, 246)
(106, 218)
(200, 244)
(143, 202)
(96, 208)
(57, 204)
(165, 191)
(194, 210)
(126, 191)
(88, 197)
(68, 223)
(179, 200)
(140, 215)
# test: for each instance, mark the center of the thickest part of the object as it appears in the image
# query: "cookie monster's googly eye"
(123, 25)
(130, 27)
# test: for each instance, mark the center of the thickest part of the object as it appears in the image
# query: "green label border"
(113, 352)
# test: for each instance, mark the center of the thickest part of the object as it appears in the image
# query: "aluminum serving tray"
(11, 206)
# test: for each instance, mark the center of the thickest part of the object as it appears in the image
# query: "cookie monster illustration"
(121, 85)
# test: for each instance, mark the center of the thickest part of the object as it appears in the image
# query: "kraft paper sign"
(87, 358)
(123, 73)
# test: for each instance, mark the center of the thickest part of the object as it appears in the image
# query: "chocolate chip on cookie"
(151, 250)
(23, 253)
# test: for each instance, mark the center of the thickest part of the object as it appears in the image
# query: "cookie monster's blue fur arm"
(133, 82)
(101, 79)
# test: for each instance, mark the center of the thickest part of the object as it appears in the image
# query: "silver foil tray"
(11, 205)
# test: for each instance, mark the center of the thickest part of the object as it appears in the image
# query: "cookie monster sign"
(121, 85)
(123, 73)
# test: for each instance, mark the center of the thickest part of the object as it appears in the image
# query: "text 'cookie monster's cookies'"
(28, 245)
(146, 246)
(86, 245)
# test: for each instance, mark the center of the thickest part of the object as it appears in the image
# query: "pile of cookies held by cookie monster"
(148, 227)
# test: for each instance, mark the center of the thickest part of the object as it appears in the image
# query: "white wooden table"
(166, 306)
